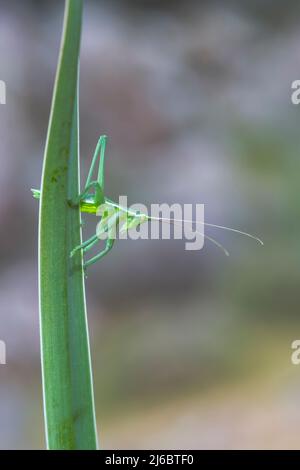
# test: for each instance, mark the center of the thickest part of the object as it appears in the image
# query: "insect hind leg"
(109, 244)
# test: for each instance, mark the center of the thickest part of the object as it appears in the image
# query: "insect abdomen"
(88, 207)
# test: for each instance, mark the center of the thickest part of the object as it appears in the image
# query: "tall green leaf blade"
(67, 380)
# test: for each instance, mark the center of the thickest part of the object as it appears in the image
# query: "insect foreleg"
(93, 243)
(110, 226)
(84, 245)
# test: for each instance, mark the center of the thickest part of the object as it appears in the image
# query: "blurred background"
(191, 350)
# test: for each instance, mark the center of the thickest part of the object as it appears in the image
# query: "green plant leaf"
(66, 367)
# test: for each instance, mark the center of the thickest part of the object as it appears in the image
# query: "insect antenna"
(222, 227)
(207, 237)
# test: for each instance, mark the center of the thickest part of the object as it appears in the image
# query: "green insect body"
(88, 206)
(113, 216)
(92, 201)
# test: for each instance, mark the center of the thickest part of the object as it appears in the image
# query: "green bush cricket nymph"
(93, 201)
